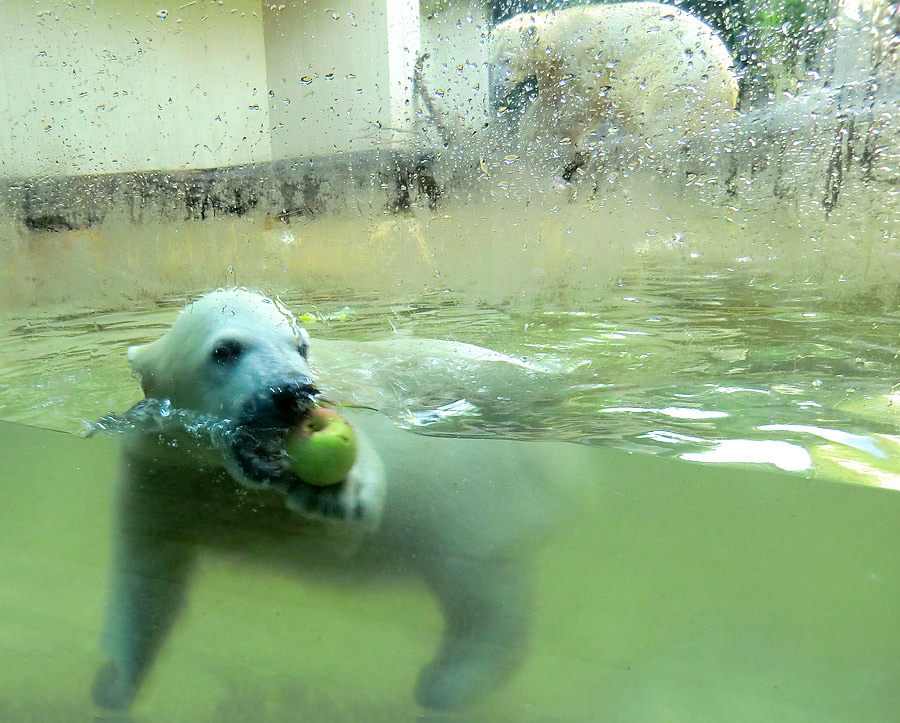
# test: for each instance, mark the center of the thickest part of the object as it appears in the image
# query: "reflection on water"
(668, 363)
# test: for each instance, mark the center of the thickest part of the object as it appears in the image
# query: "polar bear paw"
(255, 457)
(110, 692)
(360, 497)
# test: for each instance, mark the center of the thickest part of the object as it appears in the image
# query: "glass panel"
(606, 294)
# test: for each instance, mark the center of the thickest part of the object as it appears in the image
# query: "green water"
(666, 362)
(686, 593)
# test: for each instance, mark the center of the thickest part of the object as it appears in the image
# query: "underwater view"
(720, 568)
(450, 361)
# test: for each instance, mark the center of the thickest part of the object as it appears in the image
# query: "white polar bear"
(465, 515)
(652, 69)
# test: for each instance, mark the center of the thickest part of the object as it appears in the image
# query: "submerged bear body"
(463, 515)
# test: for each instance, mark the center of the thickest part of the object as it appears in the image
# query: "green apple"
(321, 448)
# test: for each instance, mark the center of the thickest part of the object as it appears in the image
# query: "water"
(683, 592)
(665, 362)
(686, 593)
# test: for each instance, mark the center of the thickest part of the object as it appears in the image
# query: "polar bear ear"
(142, 360)
(134, 354)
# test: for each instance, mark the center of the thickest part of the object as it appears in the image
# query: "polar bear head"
(516, 47)
(532, 44)
(225, 348)
(232, 378)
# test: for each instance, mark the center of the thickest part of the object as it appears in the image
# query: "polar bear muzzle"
(256, 438)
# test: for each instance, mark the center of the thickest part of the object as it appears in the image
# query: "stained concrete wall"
(455, 71)
(116, 86)
(340, 79)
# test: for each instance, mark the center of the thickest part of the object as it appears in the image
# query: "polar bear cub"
(464, 515)
(652, 69)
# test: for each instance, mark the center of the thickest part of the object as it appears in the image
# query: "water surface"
(712, 366)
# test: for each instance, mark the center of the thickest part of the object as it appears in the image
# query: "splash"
(162, 417)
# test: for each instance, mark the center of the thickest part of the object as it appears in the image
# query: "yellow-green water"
(687, 593)
(668, 361)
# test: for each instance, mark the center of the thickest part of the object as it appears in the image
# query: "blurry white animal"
(651, 69)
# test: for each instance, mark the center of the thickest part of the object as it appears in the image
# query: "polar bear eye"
(227, 352)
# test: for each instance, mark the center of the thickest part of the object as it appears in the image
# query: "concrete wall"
(118, 86)
(122, 86)
(864, 45)
(341, 79)
(454, 35)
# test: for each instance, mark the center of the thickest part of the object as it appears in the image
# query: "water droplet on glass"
(306, 80)
(162, 14)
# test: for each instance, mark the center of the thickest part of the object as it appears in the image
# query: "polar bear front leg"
(147, 588)
(486, 608)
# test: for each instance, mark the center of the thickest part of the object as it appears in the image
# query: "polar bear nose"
(256, 436)
(289, 396)
(278, 404)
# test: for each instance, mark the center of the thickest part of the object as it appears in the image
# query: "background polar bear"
(463, 514)
(651, 69)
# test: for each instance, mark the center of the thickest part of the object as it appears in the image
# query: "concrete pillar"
(340, 80)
